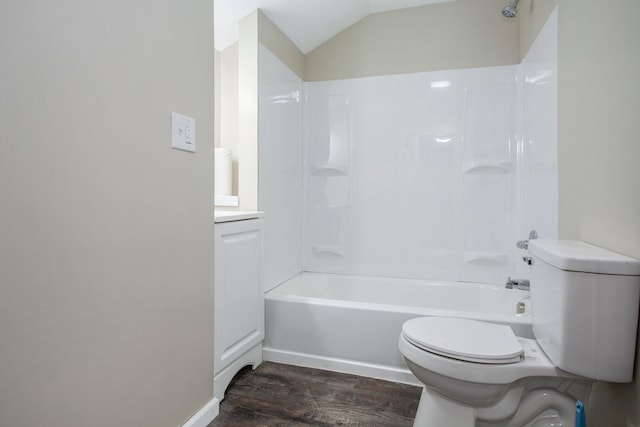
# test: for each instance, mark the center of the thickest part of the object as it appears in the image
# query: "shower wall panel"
(280, 167)
(412, 175)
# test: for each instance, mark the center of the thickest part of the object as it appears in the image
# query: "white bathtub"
(352, 324)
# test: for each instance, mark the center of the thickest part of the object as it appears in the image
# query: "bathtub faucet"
(522, 284)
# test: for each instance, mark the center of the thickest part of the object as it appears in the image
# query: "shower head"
(511, 9)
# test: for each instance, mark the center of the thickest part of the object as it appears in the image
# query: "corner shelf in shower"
(330, 170)
(486, 168)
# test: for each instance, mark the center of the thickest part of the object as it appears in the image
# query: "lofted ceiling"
(308, 23)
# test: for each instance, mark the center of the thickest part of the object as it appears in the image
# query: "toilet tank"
(585, 308)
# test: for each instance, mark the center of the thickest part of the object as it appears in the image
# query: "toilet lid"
(464, 339)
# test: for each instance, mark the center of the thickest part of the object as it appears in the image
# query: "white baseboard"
(346, 366)
(205, 415)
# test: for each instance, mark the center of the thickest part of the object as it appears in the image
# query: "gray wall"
(460, 34)
(599, 150)
(106, 234)
(280, 45)
(532, 15)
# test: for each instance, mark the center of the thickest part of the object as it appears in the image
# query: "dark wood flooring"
(284, 395)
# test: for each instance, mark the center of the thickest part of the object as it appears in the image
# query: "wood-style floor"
(285, 395)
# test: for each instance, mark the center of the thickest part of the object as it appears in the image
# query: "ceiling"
(308, 23)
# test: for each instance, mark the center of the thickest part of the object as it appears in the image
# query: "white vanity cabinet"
(238, 295)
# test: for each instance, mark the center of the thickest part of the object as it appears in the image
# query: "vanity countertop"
(227, 216)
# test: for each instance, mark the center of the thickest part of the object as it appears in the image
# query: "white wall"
(280, 167)
(106, 233)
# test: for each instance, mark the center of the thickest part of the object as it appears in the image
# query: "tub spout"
(522, 284)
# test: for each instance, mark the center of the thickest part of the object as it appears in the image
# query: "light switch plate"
(183, 132)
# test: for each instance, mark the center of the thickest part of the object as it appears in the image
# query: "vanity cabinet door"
(239, 294)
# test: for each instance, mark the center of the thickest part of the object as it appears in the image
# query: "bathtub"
(352, 324)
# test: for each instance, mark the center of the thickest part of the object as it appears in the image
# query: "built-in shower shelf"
(335, 250)
(487, 168)
(330, 170)
(486, 258)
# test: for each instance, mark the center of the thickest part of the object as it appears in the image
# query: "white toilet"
(585, 314)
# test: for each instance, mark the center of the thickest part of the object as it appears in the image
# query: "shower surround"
(413, 175)
(431, 175)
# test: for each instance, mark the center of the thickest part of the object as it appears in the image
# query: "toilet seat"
(464, 339)
(533, 363)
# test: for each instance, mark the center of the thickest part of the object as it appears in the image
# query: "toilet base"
(540, 407)
(435, 410)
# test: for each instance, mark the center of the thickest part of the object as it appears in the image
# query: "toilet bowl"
(480, 374)
(489, 389)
